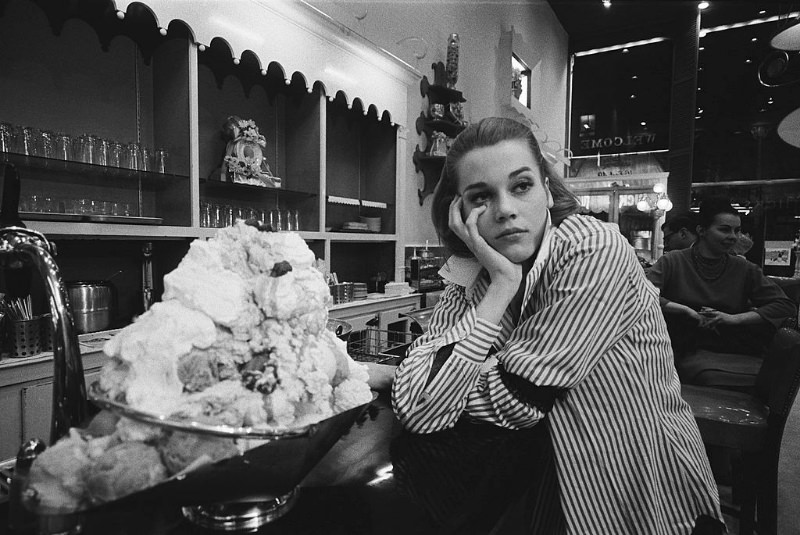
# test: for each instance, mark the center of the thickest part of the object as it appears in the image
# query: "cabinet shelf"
(218, 187)
(103, 231)
(89, 174)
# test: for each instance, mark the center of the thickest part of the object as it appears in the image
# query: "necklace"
(709, 269)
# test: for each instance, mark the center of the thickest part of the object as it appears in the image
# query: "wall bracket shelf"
(449, 123)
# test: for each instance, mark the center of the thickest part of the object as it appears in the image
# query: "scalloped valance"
(300, 39)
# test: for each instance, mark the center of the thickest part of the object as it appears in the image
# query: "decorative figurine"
(244, 158)
(516, 83)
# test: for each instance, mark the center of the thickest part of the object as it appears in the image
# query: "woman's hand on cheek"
(500, 268)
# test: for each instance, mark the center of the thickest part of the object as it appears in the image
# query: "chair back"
(779, 376)
(788, 521)
(791, 287)
(777, 385)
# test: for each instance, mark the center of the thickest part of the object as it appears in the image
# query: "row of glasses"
(213, 215)
(45, 204)
(86, 148)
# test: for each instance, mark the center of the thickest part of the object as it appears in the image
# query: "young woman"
(713, 299)
(547, 314)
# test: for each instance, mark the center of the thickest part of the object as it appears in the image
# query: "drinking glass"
(101, 151)
(161, 160)
(205, 214)
(133, 155)
(276, 220)
(288, 224)
(29, 143)
(87, 146)
(47, 144)
(227, 216)
(146, 160)
(115, 153)
(7, 137)
(63, 147)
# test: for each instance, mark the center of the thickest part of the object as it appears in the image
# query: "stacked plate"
(394, 289)
(354, 226)
(373, 223)
(359, 290)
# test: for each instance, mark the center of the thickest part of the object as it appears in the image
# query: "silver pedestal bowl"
(239, 493)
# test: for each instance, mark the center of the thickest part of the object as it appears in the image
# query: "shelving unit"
(430, 165)
(124, 80)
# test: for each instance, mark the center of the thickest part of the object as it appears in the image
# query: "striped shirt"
(628, 454)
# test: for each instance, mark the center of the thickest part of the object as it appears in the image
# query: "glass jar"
(451, 66)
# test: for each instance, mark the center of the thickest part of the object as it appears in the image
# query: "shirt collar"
(466, 271)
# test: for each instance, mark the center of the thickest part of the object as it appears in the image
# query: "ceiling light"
(703, 5)
(634, 77)
(643, 123)
(618, 47)
(754, 39)
(633, 97)
(625, 50)
(607, 3)
(748, 60)
(774, 18)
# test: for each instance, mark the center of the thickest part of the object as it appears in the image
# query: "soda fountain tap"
(25, 249)
(147, 276)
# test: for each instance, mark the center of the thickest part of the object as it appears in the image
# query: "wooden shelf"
(431, 169)
(32, 167)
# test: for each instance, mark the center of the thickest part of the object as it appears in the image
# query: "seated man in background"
(680, 232)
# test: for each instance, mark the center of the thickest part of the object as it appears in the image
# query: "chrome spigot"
(21, 247)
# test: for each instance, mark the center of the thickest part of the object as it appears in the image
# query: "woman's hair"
(486, 133)
(711, 208)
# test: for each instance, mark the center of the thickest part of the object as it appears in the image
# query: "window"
(521, 82)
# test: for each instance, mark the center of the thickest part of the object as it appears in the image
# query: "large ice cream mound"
(239, 337)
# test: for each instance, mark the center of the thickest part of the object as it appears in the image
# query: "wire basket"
(380, 345)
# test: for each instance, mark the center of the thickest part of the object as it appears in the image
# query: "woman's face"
(722, 234)
(506, 178)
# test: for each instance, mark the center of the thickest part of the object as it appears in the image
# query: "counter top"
(380, 479)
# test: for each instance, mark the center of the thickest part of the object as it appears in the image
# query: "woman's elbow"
(415, 422)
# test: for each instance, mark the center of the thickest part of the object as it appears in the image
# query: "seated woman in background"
(547, 319)
(713, 299)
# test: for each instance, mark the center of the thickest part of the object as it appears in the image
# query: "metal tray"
(125, 219)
